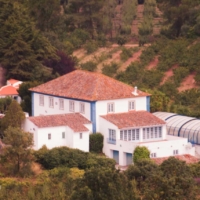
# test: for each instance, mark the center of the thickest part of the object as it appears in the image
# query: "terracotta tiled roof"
(12, 81)
(90, 86)
(186, 157)
(74, 120)
(8, 90)
(133, 119)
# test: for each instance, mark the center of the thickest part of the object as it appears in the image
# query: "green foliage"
(4, 104)
(96, 143)
(110, 70)
(125, 54)
(64, 156)
(17, 155)
(91, 46)
(121, 40)
(89, 66)
(14, 116)
(140, 153)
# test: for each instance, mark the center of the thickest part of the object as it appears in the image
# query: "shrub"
(140, 153)
(89, 66)
(126, 53)
(96, 142)
(121, 40)
(91, 46)
(111, 69)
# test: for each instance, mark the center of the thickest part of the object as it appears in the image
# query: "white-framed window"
(137, 134)
(175, 152)
(112, 135)
(82, 107)
(156, 132)
(81, 135)
(61, 104)
(144, 133)
(110, 107)
(133, 134)
(49, 136)
(63, 135)
(121, 135)
(51, 102)
(125, 135)
(153, 155)
(131, 105)
(160, 131)
(147, 133)
(71, 106)
(129, 135)
(41, 100)
(151, 132)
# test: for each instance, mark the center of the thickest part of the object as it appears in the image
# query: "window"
(121, 135)
(133, 134)
(110, 107)
(51, 102)
(49, 136)
(112, 135)
(129, 135)
(160, 131)
(82, 107)
(125, 135)
(137, 134)
(153, 155)
(63, 135)
(81, 135)
(156, 133)
(175, 152)
(151, 132)
(61, 104)
(41, 100)
(147, 133)
(71, 106)
(144, 130)
(131, 105)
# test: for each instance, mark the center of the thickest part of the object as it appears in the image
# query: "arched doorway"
(140, 1)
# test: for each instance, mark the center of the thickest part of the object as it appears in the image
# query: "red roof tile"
(90, 86)
(133, 119)
(186, 157)
(74, 120)
(12, 81)
(8, 90)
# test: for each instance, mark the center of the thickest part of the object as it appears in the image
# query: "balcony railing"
(111, 141)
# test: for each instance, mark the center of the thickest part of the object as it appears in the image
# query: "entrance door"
(116, 156)
(129, 158)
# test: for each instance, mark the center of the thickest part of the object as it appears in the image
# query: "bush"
(89, 66)
(140, 153)
(91, 46)
(96, 142)
(121, 40)
(110, 70)
(126, 53)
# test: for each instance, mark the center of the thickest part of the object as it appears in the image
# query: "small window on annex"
(81, 135)
(110, 107)
(175, 152)
(71, 106)
(51, 102)
(82, 107)
(61, 104)
(63, 135)
(131, 105)
(153, 155)
(41, 100)
(49, 136)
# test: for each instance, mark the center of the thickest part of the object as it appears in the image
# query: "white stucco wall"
(46, 110)
(163, 147)
(120, 105)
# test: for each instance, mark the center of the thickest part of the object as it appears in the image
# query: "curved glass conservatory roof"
(182, 126)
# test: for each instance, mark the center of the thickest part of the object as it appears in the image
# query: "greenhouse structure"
(181, 126)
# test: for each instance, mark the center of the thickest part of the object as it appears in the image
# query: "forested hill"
(148, 43)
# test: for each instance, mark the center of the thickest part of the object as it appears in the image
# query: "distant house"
(10, 90)
(99, 104)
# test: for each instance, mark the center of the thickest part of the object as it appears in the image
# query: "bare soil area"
(168, 74)
(188, 83)
(153, 63)
(135, 57)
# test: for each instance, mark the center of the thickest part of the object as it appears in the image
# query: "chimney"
(135, 91)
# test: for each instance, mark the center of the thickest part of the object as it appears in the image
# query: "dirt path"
(135, 57)
(188, 83)
(115, 58)
(79, 53)
(153, 63)
(168, 74)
